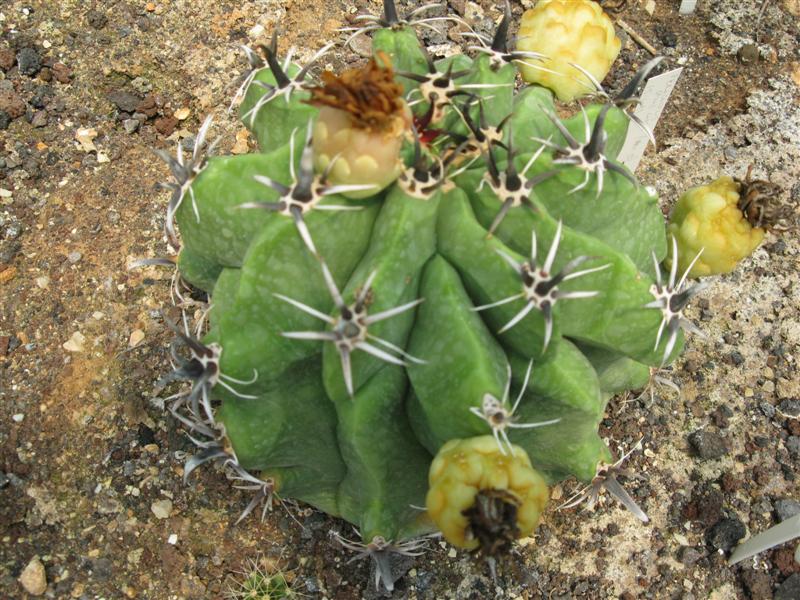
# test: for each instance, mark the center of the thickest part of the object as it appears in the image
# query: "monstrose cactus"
(424, 288)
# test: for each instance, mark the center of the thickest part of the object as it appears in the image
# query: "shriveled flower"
(361, 126)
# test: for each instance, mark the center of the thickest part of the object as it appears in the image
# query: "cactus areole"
(424, 287)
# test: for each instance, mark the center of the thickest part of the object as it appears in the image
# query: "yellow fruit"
(466, 475)
(361, 126)
(708, 218)
(568, 31)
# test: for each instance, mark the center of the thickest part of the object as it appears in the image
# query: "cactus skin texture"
(568, 32)
(707, 218)
(449, 324)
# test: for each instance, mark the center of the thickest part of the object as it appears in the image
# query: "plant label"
(653, 100)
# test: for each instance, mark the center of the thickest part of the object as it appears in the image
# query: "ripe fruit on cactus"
(567, 33)
(483, 497)
(707, 220)
(381, 292)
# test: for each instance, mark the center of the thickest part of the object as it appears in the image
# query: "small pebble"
(17, 418)
(62, 73)
(7, 59)
(33, 577)
(12, 103)
(786, 508)
(29, 61)
(86, 138)
(707, 445)
(748, 54)
(39, 119)
(131, 125)
(74, 256)
(96, 19)
(75, 342)
(767, 409)
(124, 100)
(726, 533)
(793, 446)
(161, 508)
(789, 589)
(136, 337)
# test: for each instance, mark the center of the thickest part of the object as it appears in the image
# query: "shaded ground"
(89, 478)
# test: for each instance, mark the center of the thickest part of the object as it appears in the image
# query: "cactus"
(414, 245)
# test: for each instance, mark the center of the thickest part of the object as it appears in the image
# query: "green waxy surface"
(223, 232)
(529, 120)
(463, 361)
(386, 466)
(289, 429)
(224, 295)
(497, 99)
(404, 51)
(615, 318)
(402, 241)
(617, 373)
(610, 217)
(279, 263)
(487, 277)
(566, 387)
(197, 270)
(273, 123)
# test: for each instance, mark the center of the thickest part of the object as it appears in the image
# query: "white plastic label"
(653, 100)
(687, 7)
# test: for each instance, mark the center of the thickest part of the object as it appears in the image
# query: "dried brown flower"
(369, 94)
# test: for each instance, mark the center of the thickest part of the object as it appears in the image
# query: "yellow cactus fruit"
(567, 31)
(361, 126)
(480, 497)
(708, 218)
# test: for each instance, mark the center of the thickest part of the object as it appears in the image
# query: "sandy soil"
(90, 476)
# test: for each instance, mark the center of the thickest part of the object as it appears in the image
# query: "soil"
(90, 469)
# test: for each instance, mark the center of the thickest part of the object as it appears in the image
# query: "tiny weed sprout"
(423, 288)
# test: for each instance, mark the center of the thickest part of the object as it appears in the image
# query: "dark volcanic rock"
(786, 508)
(726, 533)
(124, 100)
(789, 589)
(707, 444)
(29, 61)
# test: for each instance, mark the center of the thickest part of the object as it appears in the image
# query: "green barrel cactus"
(420, 261)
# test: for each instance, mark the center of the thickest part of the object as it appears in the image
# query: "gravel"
(124, 100)
(789, 589)
(786, 508)
(707, 445)
(726, 533)
(29, 62)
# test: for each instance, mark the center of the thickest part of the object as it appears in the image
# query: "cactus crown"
(386, 268)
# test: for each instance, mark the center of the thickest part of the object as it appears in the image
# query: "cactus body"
(482, 288)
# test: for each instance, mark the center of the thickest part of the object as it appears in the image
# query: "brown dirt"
(91, 454)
